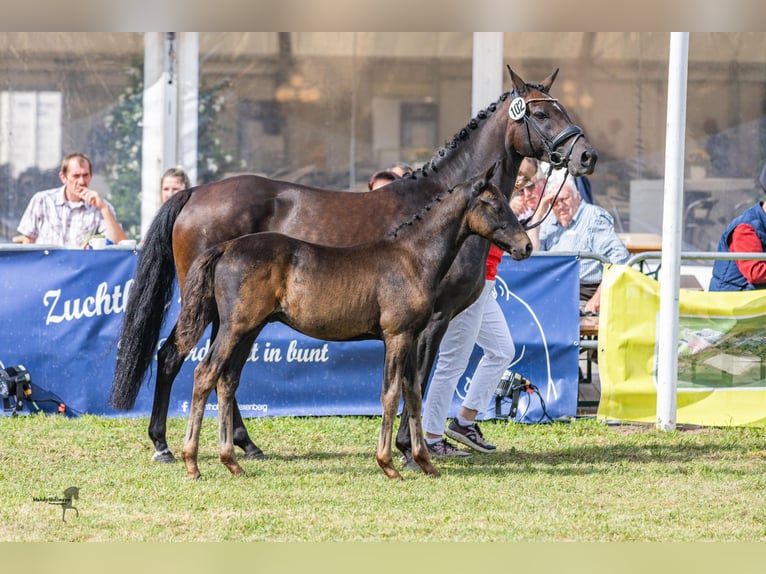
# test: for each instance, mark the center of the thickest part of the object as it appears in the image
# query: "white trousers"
(482, 323)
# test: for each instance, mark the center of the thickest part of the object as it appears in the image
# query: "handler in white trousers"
(485, 324)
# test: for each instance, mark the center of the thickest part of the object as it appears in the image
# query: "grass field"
(578, 481)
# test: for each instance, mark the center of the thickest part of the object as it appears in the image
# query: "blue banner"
(62, 311)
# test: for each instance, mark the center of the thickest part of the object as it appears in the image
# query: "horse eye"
(540, 115)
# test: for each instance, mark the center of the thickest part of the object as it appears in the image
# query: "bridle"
(518, 111)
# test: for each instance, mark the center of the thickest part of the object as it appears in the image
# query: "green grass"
(582, 481)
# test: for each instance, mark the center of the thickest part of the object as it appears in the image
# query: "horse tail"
(148, 303)
(199, 307)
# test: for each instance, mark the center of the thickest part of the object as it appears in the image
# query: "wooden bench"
(589, 344)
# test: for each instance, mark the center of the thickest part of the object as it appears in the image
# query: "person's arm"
(114, 231)
(593, 305)
(744, 239)
(29, 223)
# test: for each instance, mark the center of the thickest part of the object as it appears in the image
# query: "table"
(641, 242)
(647, 205)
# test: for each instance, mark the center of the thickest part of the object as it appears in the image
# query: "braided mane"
(418, 216)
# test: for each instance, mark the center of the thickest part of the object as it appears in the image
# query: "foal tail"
(147, 306)
(199, 308)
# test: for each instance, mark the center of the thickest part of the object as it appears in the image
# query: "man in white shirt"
(67, 216)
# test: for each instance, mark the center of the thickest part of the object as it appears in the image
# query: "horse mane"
(418, 216)
(460, 136)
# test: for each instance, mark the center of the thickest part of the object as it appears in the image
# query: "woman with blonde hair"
(173, 180)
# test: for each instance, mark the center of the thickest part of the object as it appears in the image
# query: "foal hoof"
(163, 456)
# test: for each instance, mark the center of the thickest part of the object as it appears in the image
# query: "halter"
(518, 111)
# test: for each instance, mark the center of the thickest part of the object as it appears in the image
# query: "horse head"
(491, 217)
(539, 126)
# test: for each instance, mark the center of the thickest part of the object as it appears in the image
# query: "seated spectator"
(173, 181)
(527, 190)
(381, 178)
(401, 169)
(745, 234)
(69, 215)
(575, 225)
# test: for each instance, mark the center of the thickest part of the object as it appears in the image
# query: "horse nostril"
(589, 157)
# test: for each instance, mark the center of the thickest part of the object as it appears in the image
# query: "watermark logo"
(67, 502)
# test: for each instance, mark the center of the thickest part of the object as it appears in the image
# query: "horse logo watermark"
(70, 494)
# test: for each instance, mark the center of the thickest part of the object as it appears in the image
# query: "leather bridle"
(557, 160)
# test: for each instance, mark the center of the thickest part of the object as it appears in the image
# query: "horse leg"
(169, 363)
(242, 439)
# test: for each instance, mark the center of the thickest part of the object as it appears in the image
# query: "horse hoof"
(163, 456)
(254, 453)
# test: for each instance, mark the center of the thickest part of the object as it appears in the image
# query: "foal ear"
(519, 85)
(548, 82)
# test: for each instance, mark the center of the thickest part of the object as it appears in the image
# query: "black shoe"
(446, 448)
(469, 435)
(409, 463)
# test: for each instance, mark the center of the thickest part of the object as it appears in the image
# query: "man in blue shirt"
(574, 225)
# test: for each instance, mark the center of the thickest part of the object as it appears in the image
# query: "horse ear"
(548, 82)
(519, 85)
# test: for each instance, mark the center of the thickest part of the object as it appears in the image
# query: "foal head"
(539, 126)
(490, 216)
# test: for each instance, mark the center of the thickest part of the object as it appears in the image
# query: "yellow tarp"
(721, 353)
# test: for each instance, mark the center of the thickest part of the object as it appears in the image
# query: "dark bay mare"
(383, 289)
(525, 122)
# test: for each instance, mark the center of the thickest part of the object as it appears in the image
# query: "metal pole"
(667, 332)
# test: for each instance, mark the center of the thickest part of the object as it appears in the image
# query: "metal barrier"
(638, 258)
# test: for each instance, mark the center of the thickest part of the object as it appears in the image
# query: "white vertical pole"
(487, 80)
(171, 88)
(667, 332)
(171, 101)
(188, 89)
(152, 149)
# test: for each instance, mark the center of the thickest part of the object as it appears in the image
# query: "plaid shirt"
(52, 220)
(591, 230)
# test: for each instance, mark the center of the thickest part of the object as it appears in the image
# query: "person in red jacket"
(745, 234)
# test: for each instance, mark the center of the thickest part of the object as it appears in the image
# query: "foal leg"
(226, 403)
(412, 406)
(425, 351)
(397, 355)
(228, 370)
(169, 363)
(203, 386)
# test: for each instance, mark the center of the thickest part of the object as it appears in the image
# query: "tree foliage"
(123, 136)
